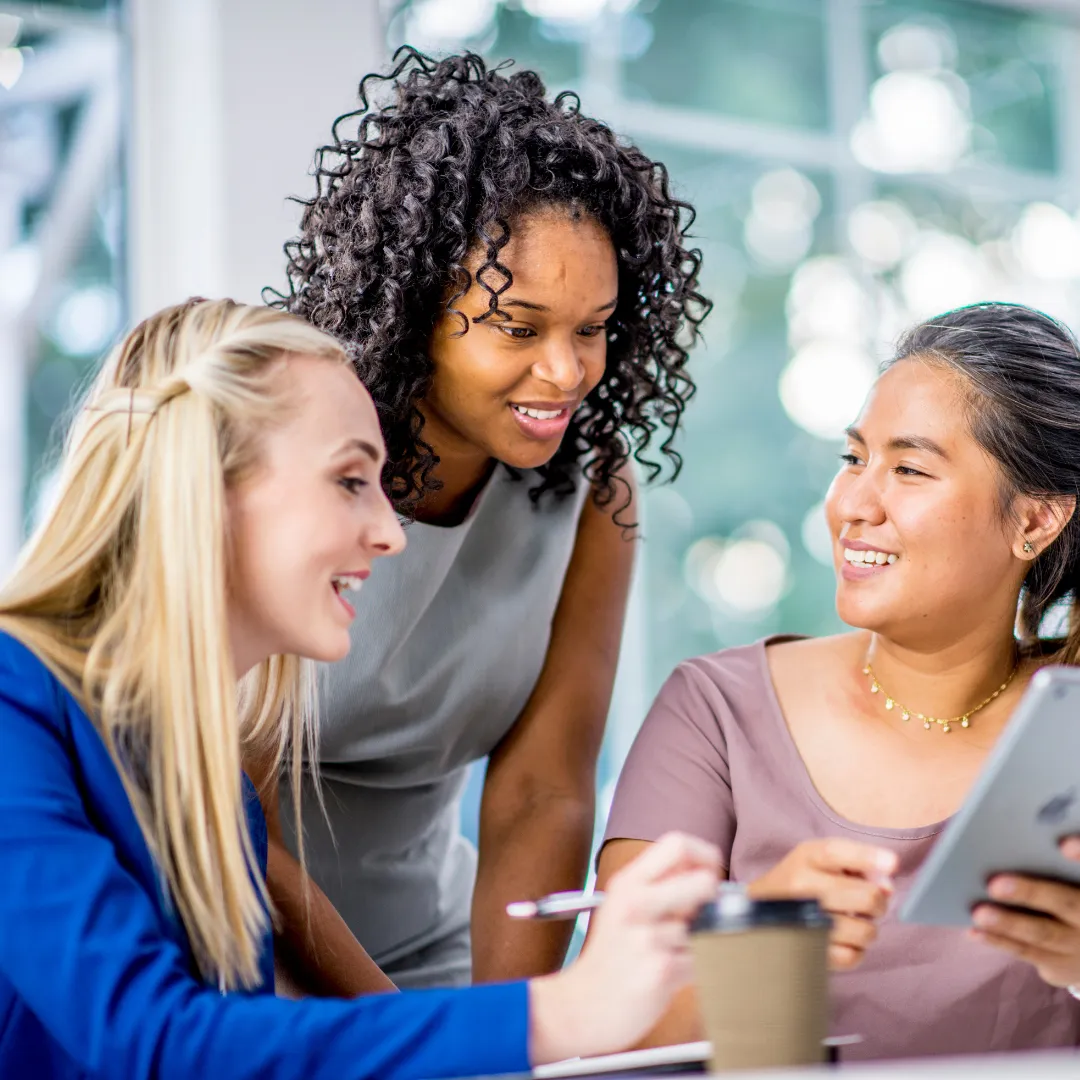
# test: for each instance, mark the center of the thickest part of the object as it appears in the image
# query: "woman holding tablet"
(218, 495)
(516, 288)
(827, 767)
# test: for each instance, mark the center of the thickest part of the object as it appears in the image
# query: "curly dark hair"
(456, 154)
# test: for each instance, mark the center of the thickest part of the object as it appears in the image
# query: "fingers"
(848, 941)
(1070, 848)
(677, 897)
(838, 855)
(1021, 950)
(854, 896)
(672, 853)
(844, 957)
(1055, 898)
(855, 933)
(1032, 932)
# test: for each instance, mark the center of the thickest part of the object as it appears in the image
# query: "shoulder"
(706, 697)
(32, 700)
(731, 674)
(24, 676)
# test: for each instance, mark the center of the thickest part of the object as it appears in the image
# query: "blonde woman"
(219, 494)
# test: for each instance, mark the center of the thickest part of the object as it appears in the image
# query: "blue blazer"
(97, 977)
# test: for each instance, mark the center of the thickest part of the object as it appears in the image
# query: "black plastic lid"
(733, 913)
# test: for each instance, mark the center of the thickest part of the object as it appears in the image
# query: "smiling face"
(506, 389)
(923, 552)
(307, 523)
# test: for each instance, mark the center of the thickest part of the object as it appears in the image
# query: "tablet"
(1026, 799)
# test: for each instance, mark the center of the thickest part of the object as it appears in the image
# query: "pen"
(568, 905)
(560, 905)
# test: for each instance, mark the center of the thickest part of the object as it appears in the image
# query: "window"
(61, 229)
(856, 166)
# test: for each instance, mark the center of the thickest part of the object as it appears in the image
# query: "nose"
(384, 534)
(560, 365)
(860, 499)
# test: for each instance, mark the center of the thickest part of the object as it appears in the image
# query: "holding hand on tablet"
(851, 880)
(1051, 944)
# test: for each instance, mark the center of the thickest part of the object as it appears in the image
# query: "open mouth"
(343, 583)
(542, 424)
(346, 583)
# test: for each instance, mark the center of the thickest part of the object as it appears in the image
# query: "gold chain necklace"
(964, 719)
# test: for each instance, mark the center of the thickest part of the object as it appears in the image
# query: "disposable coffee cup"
(761, 968)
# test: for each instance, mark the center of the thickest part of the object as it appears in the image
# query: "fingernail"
(882, 881)
(1002, 888)
(886, 861)
(986, 917)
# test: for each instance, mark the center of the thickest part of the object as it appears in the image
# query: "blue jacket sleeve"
(83, 947)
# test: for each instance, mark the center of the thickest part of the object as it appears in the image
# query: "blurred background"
(856, 165)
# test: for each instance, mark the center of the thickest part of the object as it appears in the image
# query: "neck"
(244, 657)
(462, 472)
(947, 682)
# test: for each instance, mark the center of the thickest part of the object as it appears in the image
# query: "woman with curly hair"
(513, 284)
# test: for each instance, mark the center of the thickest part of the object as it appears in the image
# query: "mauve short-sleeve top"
(715, 758)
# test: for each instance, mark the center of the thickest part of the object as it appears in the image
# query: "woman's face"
(306, 525)
(918, 501)
(507, 389)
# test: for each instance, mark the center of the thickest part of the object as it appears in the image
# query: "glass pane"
(60, 235)
(755, 59)
(496, 30)
(725, 557)
(985, 77)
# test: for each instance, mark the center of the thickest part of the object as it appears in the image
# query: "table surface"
(1043, 1065)
(1054, 1065)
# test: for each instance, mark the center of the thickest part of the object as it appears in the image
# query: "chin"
(862, 616)
(532, 456)
(325, 650)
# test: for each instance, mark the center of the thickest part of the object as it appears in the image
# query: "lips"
(542, 421)
(350, 582)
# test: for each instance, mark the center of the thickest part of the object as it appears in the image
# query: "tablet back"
(1026, 798)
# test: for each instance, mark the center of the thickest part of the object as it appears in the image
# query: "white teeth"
(347, 583)
(869, 558)
(538, 414)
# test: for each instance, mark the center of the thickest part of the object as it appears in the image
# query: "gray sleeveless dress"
(447, 645)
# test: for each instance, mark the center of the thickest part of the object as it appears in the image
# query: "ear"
(1040, 523)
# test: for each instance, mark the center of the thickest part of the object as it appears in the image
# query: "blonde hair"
(122, 592)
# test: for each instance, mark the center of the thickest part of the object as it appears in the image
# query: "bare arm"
(682, 1021)
(315, 951)
(538, 806)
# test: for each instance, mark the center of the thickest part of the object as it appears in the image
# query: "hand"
(636, 958)
(852, 882)
(1051, 944)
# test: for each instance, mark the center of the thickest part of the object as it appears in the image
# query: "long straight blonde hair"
(122, 592)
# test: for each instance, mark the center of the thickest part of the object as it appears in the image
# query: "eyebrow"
(903, 442)
(528, 305)
(363, 446)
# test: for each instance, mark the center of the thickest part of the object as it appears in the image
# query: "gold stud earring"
(1028, 548)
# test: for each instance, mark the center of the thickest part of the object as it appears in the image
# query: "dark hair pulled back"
(446, 166)
(1023, 371)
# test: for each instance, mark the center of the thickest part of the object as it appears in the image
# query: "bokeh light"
(824, 386)
(745, 575)
(1046, 241)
